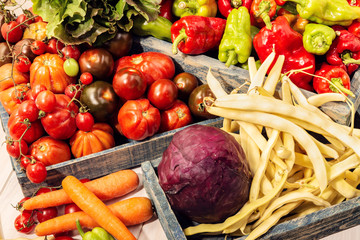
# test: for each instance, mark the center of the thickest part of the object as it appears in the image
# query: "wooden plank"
(312, 226)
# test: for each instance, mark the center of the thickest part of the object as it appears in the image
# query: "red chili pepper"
(196, 34)
(263, 11)
(331, 78)
(282, 39)
(166, 10)
(354, 3)
(345, 51)
(225, 6)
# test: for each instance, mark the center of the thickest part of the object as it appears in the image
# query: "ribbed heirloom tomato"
(138, 119)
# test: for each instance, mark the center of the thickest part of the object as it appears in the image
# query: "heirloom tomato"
(196, 103)
(138, 119)
(129, 83)
(24, 223)
(36, 31)
(12, 97)
(11, 32)
(49, 150)
(120, 44)
(5, 53)
(10, 75)
(99, 138)
(47, 69)
(101, 99)
(153, 65)
(23, 47)
(60, 123)
(186, 83)
(177, 116)
(23, 117)
(162, 93)
(98, 61)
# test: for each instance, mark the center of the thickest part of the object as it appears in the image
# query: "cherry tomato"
(22, 64)
(37, 89)
(179, 115)
(29, 110)
(70, 91)
(19, 205)
(71, 208)
(23, 19)
(36, 172)
(54, 46)
(25, 160)
(24, 223)
(44, 214)
(138, 119)
(84, 180)
(11, 32)
(129, 83)
(162, 93)
(43, 190)
(70, 51)
(38, 47)
(196, 104)
(13, 148)
(45, 101)
(86, 78)
(186, 83)
(85, 121)
(71, 67)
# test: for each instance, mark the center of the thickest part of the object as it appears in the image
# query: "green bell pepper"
(205, 8)
(328, 12)
(96, 233)
(317, 38)
(236, 43)
(159, 28)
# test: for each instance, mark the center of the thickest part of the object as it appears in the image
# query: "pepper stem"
(263, 13)
(181, 37)
(339, 86)
(232, 56)
(236, 3)
(79, 228)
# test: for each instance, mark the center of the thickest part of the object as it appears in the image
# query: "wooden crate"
(133, 153)
(312, 226)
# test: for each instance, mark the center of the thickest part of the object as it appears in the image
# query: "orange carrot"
(130, 211)
(108, 187)
(95, 208)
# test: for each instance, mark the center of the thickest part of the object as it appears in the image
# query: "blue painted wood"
(312, 226)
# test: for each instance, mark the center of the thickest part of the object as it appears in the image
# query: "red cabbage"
(204, 174)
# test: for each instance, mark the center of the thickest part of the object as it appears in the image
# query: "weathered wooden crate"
(133, 153)
(312, 226)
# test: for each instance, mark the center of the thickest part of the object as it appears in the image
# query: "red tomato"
(60, 123)
(162, 93)
(44, 214)
(63, 238)
(36, 172)
(54, 46)
(50, 151)
(43, 190)
(138, 119)
(153, 65)
(71, 90)
(129, 83)
(22, 18)
(22, 64)
(17, 122)
(97, 61)
(15, 149)
(38, 47)
(186, 83)
(45, 101)
(177, 116)
(35, 90)
(71, 51)
(71, 208)
(26, 160)
(14, 35)
(86, 78)
(84, 121)
(24, 222)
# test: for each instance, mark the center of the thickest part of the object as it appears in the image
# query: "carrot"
(95, 208)
(130, 211)
(108, 187)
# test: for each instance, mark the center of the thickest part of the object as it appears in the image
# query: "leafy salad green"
(92, 21)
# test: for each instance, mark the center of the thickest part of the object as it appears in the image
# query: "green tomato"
(71, 67)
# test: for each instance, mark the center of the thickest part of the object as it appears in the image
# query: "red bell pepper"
(166, 10)
(280, 2)
(196, 34)
(262, 12)
(354, 28)
(328, 76)
(345, 51)
(282, 39)
(354, 3)
(225, 6)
